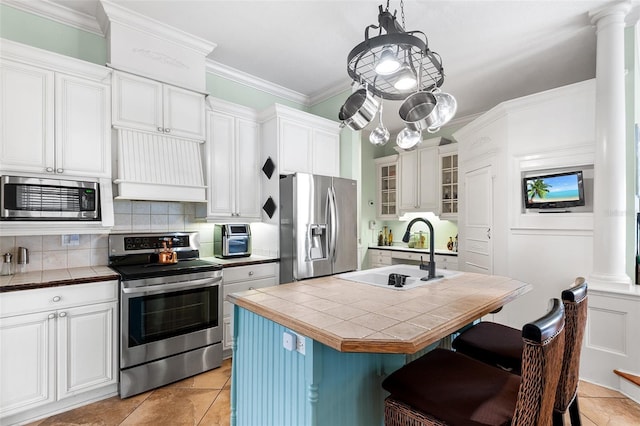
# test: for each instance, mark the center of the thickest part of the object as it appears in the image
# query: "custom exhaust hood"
(155, 166)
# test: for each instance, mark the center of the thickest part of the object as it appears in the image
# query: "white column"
(609, 209)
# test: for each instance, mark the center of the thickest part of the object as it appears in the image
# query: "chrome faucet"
(431, 267)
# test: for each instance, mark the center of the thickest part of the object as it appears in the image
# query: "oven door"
(237, 246)
(166, 319)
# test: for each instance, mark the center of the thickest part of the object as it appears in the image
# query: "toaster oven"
(231, 240)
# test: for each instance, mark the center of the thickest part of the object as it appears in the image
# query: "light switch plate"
(289, 341)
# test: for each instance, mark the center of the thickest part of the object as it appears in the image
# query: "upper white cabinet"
(54, 123)
(418, 188)
(448, 181)
(301, 142)
(387, 187)
(233, 159)
(144, 104)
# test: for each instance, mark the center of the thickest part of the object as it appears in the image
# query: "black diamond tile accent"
(268, 167)
(269, 207)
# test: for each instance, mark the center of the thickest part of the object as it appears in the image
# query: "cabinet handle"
(59, 170)
(51, 316)
(56, 298)
(489, 233)
(49, 169)
(62, 314)
(160, 129)
(167, 130)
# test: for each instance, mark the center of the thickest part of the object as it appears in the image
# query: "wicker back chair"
(447, 388)
(501, 346)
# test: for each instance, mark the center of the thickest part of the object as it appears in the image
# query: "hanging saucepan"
(446, 107)
(418, 110)
(359, 109)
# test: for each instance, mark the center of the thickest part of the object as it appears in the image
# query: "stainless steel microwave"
(32, 198)
(232, 240)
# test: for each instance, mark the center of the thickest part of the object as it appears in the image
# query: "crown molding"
(246, 79)
(329, 92)
(58, 13)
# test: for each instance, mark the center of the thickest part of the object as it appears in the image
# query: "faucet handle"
(423, 267)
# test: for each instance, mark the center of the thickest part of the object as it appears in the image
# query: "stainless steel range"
(170, 309)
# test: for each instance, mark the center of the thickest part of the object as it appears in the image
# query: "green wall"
(39, 32)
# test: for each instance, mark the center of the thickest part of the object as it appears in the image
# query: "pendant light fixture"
(395, 63)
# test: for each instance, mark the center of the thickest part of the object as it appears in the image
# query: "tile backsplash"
(48, 251)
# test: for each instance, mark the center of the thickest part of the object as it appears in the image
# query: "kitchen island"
(354, 335)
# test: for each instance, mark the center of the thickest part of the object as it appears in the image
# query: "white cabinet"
(242, 278)
(387, 187)
(418, 188)
(144, 104)
(301, 142)
(56, 343)
(53, 122)
(233, 159)
(448, 181)
(379, 258)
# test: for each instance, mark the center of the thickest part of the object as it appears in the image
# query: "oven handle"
(203, 282)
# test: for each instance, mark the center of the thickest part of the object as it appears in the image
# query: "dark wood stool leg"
(574, 412)
(558, 419)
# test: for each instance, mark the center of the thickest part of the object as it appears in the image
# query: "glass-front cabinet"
(386, 187)
(449, 181)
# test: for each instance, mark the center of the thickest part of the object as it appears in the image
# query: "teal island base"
(274, 386)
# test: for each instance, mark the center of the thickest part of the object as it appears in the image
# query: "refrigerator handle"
(333, 236)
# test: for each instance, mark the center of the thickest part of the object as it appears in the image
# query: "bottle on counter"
(421, 240)
(390, 239)
(450, 244)
(6, 264)
(455, 244)
(385, 242)
(380, 238)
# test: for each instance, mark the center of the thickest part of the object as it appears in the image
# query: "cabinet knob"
(51, 316)
(56, 298)
(167, 130)
(160, 129)
(252, 288)
(49, 169)
(59, 170)
(62, 314)
(250, 273)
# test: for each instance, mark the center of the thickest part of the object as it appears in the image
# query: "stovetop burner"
(135, 256)
(152, 270)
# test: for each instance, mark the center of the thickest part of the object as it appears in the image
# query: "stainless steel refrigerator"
(318, 226)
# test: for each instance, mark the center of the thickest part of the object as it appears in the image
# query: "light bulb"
(406, 79)
(388, 63)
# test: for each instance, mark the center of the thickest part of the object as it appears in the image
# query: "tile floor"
(204, 400)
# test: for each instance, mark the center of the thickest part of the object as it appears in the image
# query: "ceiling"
(492, 51)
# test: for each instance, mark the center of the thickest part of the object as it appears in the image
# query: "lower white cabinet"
(242, 278)
(56, 344)
(379, 258)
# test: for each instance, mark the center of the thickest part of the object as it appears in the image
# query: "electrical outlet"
(301, 344)
(289, 341)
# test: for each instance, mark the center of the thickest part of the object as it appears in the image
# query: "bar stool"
(448, 388)
(501, 346)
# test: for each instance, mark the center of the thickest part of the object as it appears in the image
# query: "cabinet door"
(247, 167)
(408, 192)
(83, 125)
(221, 135)
(295, 147)
(137, 103)
(326, 153)
(27, 362)
(87, 356)
(427, 176)
(183, 113)
(26, 118)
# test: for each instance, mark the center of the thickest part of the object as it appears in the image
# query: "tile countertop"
(414, 250)
(242, 261)
(56, 277)
(354, 317)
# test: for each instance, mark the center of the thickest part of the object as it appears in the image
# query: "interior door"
(478, 220)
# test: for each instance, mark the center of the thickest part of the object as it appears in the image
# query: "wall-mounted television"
(553, 191)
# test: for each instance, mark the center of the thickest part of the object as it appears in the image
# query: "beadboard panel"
(274, 386)
(158, 167)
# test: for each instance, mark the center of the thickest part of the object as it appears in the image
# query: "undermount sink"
(380, 277)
